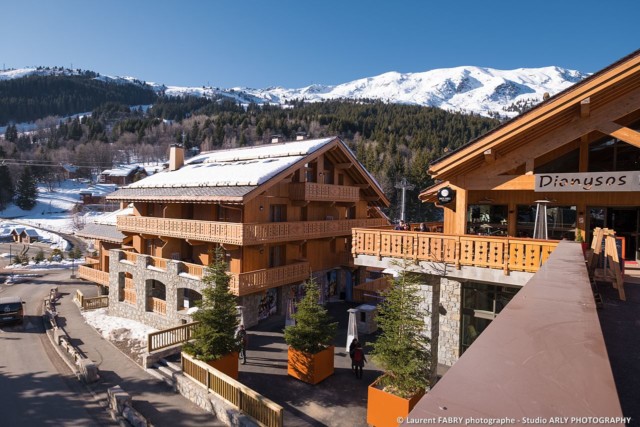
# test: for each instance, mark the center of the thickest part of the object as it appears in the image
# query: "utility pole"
(404, 186)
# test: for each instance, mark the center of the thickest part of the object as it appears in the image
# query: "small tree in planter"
(215, 339)
(402, 351)
(310, 338)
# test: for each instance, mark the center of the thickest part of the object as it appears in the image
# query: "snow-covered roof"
(31, 232)
(105, 232)
(110, 218)
(121, 170)
(17, 230)
(70, 168)
(237, 167)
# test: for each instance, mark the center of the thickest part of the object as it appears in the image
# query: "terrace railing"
(505, 253)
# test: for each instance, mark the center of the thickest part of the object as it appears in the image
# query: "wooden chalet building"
(280, 212)
(578, 152)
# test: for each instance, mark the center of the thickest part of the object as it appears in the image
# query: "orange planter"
(310, 368)
(227, 364)
(384, 409)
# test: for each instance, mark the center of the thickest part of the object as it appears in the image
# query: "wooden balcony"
(91, 260)
(505, 253)
(93, 275)
(129, 291)
(260, 280)
(314, 192)
(157, 305)
(257, 280)
(242, 234)
(371, 291)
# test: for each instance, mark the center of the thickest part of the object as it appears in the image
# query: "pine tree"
(6, 184)
(314, 330)
(403, 349)
(215, 336)
(26, 192)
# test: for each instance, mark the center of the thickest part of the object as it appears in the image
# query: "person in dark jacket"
(352, 349)
(359, 359)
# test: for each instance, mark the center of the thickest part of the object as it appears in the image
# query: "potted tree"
(215, 339)
(402, 351)
(310, 355)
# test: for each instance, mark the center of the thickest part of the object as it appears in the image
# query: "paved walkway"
(339, 400)
(154, 399)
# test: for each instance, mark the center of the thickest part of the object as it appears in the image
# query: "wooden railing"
(91, 260)
(370, 291)
(194, 269)
(95, 302)
(258, 407)
(313, 191)
(131, 256)
(156, 262)
(157, 305)
(130, 296)
(242, 234)
(79, 297)
(505, 253)
(93, 275)
(253, 281)
(168, 337)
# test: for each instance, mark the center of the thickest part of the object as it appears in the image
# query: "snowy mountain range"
(479, 90)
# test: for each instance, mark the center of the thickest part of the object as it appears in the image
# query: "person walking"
(359, 359)
(242, 337)
(352, 349)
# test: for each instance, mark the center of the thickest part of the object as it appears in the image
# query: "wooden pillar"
(512, 218)
(584, 154)
(460, 220)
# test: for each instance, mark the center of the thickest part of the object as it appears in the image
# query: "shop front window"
(487, 220)
(481, 303)
(561, 221)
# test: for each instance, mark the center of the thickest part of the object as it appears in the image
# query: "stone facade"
(450, 318)
(142, 274)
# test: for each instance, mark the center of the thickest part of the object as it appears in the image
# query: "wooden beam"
(585, 107)
(362, 186)
(564, 135)
(502, 182)
(489, 156)
(584, 154)
(529, 166)
(343, 165)
(622, 133)
(371, 198)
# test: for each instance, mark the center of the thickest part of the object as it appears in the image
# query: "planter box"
(227, 364)
(310, 368)
(384, 409)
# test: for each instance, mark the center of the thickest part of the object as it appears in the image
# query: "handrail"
(505, 253)
(242, 234)
(93, 275)
(168, 337)
(95, 302)
(263, 410)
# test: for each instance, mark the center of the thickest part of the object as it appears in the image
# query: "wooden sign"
(588, 181)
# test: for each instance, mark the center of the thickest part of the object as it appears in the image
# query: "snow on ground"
(128, 335)
(65, 264)
(45, 236)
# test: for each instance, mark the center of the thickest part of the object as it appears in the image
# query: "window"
(610, 155)
(561, 221)
(487, 220)
(278, 213)
(481, 303)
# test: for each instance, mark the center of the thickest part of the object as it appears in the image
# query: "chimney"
(176, 157)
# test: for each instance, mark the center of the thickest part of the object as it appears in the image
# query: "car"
(11, 310)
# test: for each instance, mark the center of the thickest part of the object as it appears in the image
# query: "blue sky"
(296, 43)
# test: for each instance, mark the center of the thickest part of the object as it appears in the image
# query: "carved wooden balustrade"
(313, 191)
(157, 305)
(93, 275)
(243, 234)
(505, 253)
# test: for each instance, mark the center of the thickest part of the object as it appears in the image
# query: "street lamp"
(73, 263)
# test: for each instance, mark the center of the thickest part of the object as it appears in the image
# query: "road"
(36, 387)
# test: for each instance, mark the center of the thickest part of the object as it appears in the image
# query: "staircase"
(165, 371)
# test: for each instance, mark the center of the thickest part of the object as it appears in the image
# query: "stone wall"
(431, 298)
(222, 409)
(450, 318)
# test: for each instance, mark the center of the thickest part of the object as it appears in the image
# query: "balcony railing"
(259, 280)
(91, 260)
(323, 192)
(93, 275)
(157, 305)
(160, 263)
(505, 253)
(243, 234)
(130, 296)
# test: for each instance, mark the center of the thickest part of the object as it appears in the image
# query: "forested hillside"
(393, 141)
(36, 96)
